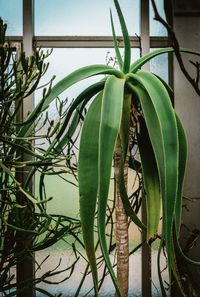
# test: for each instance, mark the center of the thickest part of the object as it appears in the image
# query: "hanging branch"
(175, 44)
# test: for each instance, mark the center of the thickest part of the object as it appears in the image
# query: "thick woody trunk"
(121, 227)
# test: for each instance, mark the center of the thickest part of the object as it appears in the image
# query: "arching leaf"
(127, 47)
(146, 58)
(88, 180)
(64, 84)
(181, 173)
(112, 105)
(161, 124)
(67, 130)
(151, 181)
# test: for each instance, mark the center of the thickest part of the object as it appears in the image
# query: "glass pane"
(159, 66)
(86, 17)
(156, 28)
(11, 13)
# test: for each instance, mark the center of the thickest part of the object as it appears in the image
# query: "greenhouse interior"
(99, 129)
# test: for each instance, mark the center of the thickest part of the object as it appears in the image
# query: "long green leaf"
(67, 82)
(67, 129)
(181, 169)
(124, 139)
(167, 119)
(117, 51)
(152, 121)
(143, 60)
(161, 124)
(125, 199)
(127, 46)
(77, 76)
(88, 180)
(66, 132)
(151, 181)
(112, 105)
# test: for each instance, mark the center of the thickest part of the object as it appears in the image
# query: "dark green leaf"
(88, 180)
(112, 106)
(127, 46)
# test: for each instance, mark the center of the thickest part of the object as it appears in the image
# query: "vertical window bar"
(146, 251)
(25, 267)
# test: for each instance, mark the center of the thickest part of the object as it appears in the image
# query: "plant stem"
(121, 226)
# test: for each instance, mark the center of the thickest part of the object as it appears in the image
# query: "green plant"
(161, 140)
(24, 217)
(25, 225)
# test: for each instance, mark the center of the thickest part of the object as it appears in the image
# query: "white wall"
(187, 104)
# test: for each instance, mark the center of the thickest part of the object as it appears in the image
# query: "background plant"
(26, 227)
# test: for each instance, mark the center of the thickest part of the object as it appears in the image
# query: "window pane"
(156, 28)
(11, 13)
(159, 66)
(86, 17)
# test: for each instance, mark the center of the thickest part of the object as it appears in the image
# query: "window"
(79, 33)
(157, 29)
(11, 13)
(82, 18)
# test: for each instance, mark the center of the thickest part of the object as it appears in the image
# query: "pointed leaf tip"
(127, 46)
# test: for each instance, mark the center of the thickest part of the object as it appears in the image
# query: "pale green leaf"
(112, 106)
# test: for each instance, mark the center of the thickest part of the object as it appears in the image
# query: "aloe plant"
(161, 141)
